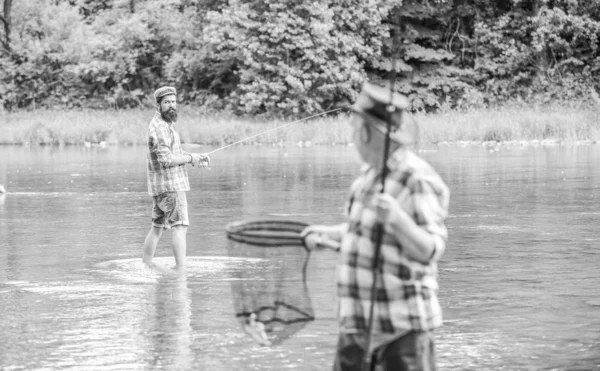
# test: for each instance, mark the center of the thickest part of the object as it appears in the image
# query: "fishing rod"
(278, 127)
(368, 358)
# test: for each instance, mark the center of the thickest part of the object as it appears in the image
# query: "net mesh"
(273, 285)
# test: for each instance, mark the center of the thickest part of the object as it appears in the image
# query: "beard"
(169, 115)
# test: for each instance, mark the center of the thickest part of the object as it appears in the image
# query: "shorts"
(170, 209)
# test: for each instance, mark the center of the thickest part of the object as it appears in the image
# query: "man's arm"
(185, 158)
(418, 243)
(161, 136)
(324, 236)
(190, 158)
(331, 232)
(424, 238)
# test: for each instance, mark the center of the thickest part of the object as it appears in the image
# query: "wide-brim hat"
(376, 105)
(165, 90)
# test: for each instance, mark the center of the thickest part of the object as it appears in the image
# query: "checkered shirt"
(406, 289)
(163, 143)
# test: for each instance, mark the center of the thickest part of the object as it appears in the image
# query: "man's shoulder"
(419, 162)
(157, 120)
(157, 124)
(419, 168)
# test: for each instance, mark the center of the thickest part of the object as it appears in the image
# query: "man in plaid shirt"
(167, 178)
(410, 216)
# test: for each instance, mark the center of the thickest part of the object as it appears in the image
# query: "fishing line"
(278, 127)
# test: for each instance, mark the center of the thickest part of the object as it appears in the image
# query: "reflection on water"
(168, 323)
(519, 281)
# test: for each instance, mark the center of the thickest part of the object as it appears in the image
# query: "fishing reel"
(203, 161)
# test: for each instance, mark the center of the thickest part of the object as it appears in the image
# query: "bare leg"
(150, 243)
(179, 245)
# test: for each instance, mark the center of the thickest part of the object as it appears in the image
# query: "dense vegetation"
(289, 57)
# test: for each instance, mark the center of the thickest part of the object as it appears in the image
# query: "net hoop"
(267, 232)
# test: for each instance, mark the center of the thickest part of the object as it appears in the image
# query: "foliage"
(547, 53)
(429, 68)
(33, 72)
(284, 57)
(295, 57)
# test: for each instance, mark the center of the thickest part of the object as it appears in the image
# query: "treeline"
(290, 57)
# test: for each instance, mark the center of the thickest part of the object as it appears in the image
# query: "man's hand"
(417, 243)
(312, 229)
(200, 159)
(388, 208)
(322, 236)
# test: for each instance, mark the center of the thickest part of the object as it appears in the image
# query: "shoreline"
(516, 125)
(453, 144)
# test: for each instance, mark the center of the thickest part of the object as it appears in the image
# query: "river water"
(520, 285)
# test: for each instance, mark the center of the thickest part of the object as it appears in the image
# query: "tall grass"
(568, 124)
(513, 124)
(73, 127)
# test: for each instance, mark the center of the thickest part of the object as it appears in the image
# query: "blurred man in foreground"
(411, 213)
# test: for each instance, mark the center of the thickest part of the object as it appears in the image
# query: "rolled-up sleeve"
(163, 140)
(430, 203)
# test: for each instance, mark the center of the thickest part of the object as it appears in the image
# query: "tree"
(429, 68)
(289, 57)
(296, 57)
(539, 49)
(6, 20)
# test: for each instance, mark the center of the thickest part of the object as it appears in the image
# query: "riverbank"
(549, 124)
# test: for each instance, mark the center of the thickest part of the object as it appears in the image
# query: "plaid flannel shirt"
(406, 289)
(163, 143)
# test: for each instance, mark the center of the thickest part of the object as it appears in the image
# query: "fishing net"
(267, 232)
(270, 295)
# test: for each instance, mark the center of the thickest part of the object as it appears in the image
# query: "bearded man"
(168, 178)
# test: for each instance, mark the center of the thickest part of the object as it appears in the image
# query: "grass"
(561, 124)
(516, 123)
